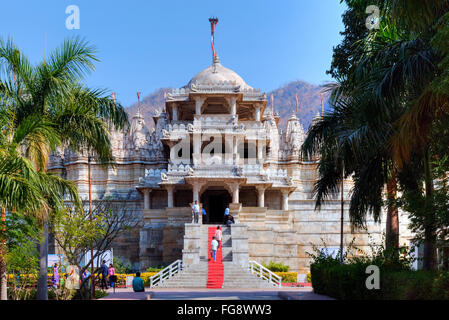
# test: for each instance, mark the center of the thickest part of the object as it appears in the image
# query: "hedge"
(287, 277)
(347, 282)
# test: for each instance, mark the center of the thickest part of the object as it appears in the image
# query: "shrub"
(309, 277)
(348, 281)
(288, 277)
(155, 269)
(121, 267)
(276, 267)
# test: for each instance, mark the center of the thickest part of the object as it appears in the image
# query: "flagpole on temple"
(213, 24)
(297, 103)
(138, 103)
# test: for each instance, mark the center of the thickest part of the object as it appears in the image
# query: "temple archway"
(215, 200)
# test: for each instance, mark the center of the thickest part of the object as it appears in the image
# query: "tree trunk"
(392, 232)
(3, 275)
(42, 286)
(430, 249)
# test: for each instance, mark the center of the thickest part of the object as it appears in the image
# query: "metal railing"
(166, 273)
(262, 272)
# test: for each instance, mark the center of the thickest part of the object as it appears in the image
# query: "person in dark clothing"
(230, 220)
(138, 284)
(104, 274)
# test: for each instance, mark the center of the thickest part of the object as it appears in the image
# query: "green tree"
(401, 71)
(75, 116)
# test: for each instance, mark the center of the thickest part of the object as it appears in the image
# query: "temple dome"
(216, 74)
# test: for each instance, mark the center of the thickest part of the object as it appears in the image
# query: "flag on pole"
(272, 105)
(297, 103)
(138, 103)
(213, 25)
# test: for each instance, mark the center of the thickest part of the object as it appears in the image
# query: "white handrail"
(262, 272)
(166, 273)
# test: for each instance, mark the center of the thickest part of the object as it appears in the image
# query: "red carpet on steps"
(215, 268)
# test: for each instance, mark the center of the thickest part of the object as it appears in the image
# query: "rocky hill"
(284, 102)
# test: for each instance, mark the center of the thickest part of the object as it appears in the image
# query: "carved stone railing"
(221, 122)
(265, 274)
(180, 169)
(166, 273)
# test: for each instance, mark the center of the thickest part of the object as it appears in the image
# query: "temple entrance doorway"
(215, 200)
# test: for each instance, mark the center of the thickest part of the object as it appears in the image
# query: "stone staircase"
(234, 274)
(192, 276)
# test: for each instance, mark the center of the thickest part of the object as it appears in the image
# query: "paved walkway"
(216, 294)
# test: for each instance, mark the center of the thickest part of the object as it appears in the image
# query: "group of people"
(107, 273)
(228, 218)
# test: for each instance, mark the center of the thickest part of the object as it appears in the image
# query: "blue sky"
(145, 45)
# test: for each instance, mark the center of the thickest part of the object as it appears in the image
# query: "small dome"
(217, 73)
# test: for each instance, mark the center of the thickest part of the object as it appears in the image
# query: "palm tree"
(413, 68)
(357, 133)
(78, 118)
(385, 108)
(22, 187)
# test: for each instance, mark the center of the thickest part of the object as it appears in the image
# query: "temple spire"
(213, 24)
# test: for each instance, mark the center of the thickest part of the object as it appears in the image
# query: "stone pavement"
(216, 294)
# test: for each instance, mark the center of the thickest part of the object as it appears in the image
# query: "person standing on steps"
(204, 216)
(196, 211)
(213, 249)
(230, 220)
(226, 214)
(218, 236)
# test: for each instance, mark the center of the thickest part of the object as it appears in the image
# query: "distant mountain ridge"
(284, 102)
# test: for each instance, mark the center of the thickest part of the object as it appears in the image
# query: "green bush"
(309, 277)
(288, 277)
(276, 267)
(121, 267)
(155, 269)
(347, 282)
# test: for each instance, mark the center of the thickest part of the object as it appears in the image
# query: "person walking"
(196, 211)
(111, 274)
(218, 236)
(213, 249)
(104, 274)
(204, 216)
(55, 276)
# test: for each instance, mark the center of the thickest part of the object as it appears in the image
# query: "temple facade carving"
(216, 142)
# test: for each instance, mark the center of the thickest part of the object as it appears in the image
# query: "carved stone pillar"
(260, 147)
(196, 191)
(261, 196)
(146, 199)
(198, 104)
(170, 190)
(196, 148)
(258, 113)
(285, 199)
(233, 103)
(175, 112)
(235, 192)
